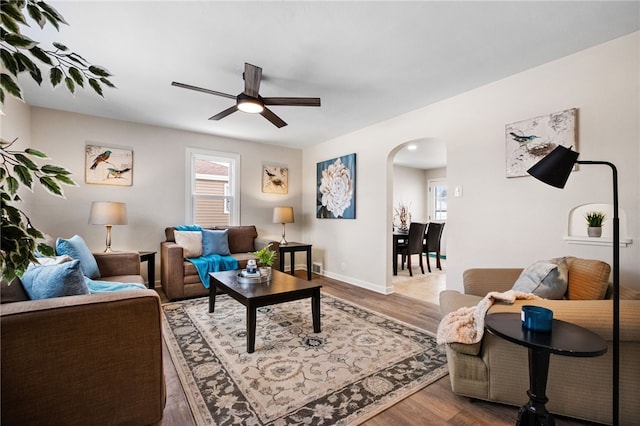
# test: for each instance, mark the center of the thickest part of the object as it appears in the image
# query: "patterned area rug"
(360, 364)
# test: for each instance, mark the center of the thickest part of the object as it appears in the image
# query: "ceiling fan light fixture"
(249, 104)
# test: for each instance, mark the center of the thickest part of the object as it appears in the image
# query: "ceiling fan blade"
(200, 89)
(269, 115)
(224, 113)
(252, 76)
(314, 102)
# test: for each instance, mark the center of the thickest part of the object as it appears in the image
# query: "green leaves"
(18, 168)
(19, 54)
(17, 51)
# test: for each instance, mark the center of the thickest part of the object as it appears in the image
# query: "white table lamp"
(283, 215)
(108, 213)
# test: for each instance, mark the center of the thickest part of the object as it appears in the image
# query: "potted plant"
(594, 223)
(266, 257)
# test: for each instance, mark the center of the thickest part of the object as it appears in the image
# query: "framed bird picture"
(528, 141)
(108, 166)
(275, 179)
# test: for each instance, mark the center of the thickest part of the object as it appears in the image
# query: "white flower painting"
(528, 141)
(336, 188)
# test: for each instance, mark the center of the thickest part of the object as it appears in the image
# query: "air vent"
(316, 268)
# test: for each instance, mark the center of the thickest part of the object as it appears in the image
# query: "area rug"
(360, 364)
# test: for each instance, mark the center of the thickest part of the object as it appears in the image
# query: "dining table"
(398, 236)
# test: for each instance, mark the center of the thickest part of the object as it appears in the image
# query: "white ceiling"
(367, 61)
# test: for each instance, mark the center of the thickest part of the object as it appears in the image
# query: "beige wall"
(497, 221)
(156, 199)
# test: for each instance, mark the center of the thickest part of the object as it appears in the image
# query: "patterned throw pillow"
(190, 241)
(545, 278)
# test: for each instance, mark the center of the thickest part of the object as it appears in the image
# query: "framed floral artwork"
(336, 188)
(275, 179)
(108, 166)
(528, 141)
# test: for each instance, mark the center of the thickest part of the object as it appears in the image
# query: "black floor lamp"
(554, 170)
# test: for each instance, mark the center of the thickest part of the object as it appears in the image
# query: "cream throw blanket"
(466, 325)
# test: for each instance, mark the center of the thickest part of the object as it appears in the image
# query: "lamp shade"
(108, 213)
(555, 168)
(283, 215)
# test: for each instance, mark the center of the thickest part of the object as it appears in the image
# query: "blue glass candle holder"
(537, 318)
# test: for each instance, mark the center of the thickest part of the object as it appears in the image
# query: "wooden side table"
(293, 248)
(150, 258)
(564, 339)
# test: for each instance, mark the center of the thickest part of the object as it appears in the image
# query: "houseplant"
(594, 223)
(266, 257)
(20, 54)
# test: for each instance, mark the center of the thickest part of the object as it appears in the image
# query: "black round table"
(564, 339)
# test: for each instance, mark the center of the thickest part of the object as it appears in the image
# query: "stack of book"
(250, 274)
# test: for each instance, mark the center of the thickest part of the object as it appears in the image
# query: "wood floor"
(433, 405)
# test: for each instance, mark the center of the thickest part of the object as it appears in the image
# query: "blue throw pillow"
(64, 279)
(76, 248)
(215, 242)
(96, 286)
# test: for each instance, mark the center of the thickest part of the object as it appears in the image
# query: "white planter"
(594, 231)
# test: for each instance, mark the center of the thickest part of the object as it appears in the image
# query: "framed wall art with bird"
(275, 179)
(108, 166)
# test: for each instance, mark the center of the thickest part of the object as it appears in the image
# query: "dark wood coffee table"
(564, 339)
(282, 288)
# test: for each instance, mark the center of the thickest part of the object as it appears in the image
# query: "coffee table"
(282, 288)
(564, 339)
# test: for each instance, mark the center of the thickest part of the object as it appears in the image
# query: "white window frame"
(232, 195)
(432, 184)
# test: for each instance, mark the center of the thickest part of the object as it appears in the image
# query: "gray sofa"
(497, 370)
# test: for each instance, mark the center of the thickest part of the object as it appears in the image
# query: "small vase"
(594, 231)
(265, 272)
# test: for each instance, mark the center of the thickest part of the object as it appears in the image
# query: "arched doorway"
(419, 183)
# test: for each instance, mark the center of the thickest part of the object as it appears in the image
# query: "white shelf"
(593, 241)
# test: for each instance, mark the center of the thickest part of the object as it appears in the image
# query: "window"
(438, 199)
(212, 188)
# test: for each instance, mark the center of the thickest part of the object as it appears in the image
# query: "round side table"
(565, 339)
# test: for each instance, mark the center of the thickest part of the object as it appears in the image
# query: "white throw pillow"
(545, 278)
(190, 241)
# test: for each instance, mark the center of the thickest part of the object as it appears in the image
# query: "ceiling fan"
(250, 100)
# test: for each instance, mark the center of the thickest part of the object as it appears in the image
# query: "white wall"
(498, 221)
(156, 199)
(18, 126)
(409, 188)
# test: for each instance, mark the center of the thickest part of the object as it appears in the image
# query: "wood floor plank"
(434, 405)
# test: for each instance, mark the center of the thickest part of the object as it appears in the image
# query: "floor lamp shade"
(108, 213)
(283, 215)
(554, 170)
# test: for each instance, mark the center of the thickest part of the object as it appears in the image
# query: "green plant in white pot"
(266, 257)
(594, 223)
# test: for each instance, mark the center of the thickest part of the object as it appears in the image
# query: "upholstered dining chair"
(413, 245)
(432, 242)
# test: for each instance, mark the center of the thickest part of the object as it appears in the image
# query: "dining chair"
(432, 242)
(413, 245)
